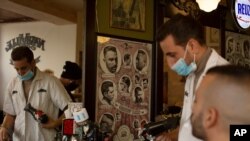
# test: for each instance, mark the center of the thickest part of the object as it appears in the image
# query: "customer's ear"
(210, 118)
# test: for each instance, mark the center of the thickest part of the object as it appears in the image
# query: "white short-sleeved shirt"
(47, 94)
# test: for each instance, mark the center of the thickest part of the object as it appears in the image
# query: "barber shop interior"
(124, 70)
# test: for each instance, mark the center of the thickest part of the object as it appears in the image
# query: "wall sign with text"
(241, 13)
(26, 39)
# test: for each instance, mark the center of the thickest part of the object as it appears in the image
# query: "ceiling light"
(208, 5)
(102, 39)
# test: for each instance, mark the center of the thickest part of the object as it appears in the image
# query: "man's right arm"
(168, 136)
(6, 127)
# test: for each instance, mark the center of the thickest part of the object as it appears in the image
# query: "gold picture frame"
(212, 36)
(128, 14)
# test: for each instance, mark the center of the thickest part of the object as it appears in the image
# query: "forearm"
(168, 136)
(6, 129)
(58, 122)
(53, 123)
(8, 121)
(174, 134)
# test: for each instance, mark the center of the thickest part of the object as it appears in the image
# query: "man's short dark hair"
(104, 120)
(105, 86)
(182, 28)
(126, 56)
(143, 57)
(22, 52)
(141, 52)
(71, 70)
(108, 116)
(126, 80)
(231, 40)
(109, 48)
(237, 73)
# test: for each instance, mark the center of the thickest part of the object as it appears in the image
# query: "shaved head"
(222, 99)
(230, 92)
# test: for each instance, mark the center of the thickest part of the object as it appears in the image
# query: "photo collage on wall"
(238, 49)
(123, 86)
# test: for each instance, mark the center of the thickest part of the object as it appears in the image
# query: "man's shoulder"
(215, 60)
(222, 61)
(14, 81)
(46, 77)
(219, 58)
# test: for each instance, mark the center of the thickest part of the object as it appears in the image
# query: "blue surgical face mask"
(181, 67)
(26, 76)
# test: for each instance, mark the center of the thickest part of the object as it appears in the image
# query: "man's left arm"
(168, 136)
(53, 123)
(61, 99)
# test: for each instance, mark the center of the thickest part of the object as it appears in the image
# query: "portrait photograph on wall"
(128, 14)
(123, 82)
(237, 49)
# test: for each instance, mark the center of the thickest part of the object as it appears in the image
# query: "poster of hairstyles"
(124, 70)
(237, 49)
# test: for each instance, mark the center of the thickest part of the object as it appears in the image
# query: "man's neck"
(219, 137)
(216, 134)
(26, 88)
(200, 54)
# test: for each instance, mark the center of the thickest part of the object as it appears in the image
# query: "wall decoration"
(213, 38)
(104, 19)
(128, 14)
(240, 13)
(123, 86)
(237, 49)
(26, 39)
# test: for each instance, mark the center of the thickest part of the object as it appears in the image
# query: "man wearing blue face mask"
(43, 91)
(182, 42)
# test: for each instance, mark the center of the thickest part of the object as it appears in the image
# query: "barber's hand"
(168, 136)
(4, 135)
(163, 137)
(50, 124)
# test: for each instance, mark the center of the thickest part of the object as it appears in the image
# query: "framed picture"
(213, 38)
(128, 14)
(237, 49)
(123, 86)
